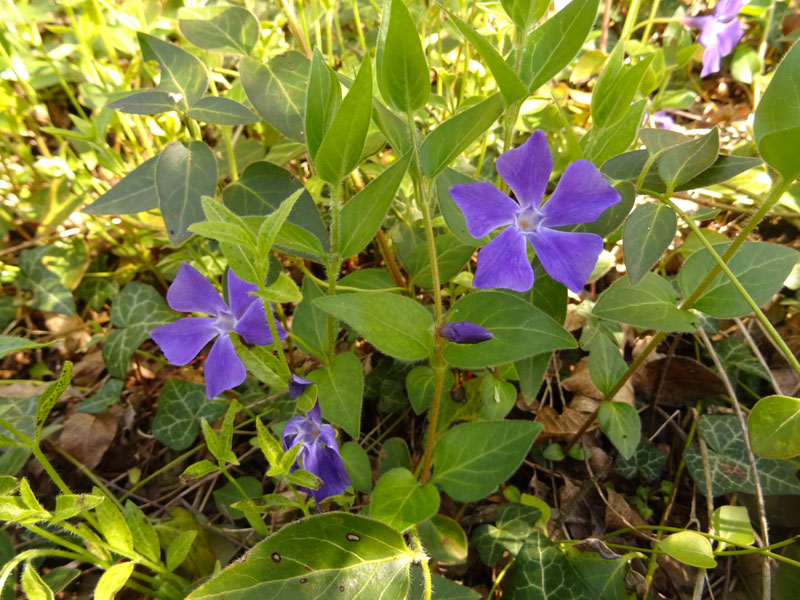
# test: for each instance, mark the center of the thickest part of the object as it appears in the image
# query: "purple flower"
(296, 386)
(662, 120)
(182, 340)
(719, 33)
(320, 453)
(465, 332)
(580, 197)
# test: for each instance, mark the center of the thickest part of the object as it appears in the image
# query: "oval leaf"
(341, 389)
(690, 548)
(774, 426)
(649, 231)
(401, 502)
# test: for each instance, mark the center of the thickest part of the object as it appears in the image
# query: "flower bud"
(465, 332)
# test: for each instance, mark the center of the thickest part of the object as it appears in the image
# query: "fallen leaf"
(72, 328)
(87, 437)
(560, 426)
(619, 513)
(685, 382)
(580, 383)
(89, 370)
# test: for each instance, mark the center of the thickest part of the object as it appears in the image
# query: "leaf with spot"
(730, 467)
(138, 309)
(774, 427)
(353, 555)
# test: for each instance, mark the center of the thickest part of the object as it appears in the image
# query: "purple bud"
(465, 332)
(297, 385)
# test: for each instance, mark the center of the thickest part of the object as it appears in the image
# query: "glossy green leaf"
(471, 460)
(221, 111)
(649, 231)
(777, 118)
(515, 523)
(443, 539)
(646, 462)
(690, 548)
(684, 162)
(138, 309)
(403, 77)
(525, 13)
(650, 304)
(356, 462)
(615, 88)
(774, 427)
(606, 365)
(395, 325)
(343, 142)
(309, 323)
(761, 267)
(401, 502)
(451, 256)
(452, 137)
(277, 90)
(498, 397)
(112, 581)
(519, 330)
(556, 42)
(621, 424)
(323, 96)
(607, 576)
(733, 524)
(602, 143)
(183, 76)
(148, 102)
(112, 525)
(372, 561)
(136, 192)
(419, 386)
(341, 390)
(450, 211)
(181, 405)
(183, 176)
(229, 494)
(511, 86)
(224, 29)
(179, 548)
(364, 213)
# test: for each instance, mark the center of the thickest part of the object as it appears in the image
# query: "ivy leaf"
(49, 293)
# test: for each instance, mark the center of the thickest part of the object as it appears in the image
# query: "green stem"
(83, 554)
(273, 330)
(357, 21)
(630, 20)
(334, 262)
(423, 562)
(499, 578)
(255, 521)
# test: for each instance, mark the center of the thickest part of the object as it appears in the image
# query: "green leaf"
(519, 329)
(33, 585)
(602, 143)
(261, 189)
(525, 13)
(511, 86)
(395, 325)
(556, 42)
(179, 548)
(224, 29)
(515, 523)
(498, 397)
(49, 292)
(401, 502)
(277, 90)
(51, 395)
(136, 192)
(229, 494)
(684, 162)
(650, 304)
(182, 74)
(733, 524)
(112, 581)
(149, 102)
(323, 97)
(450, 211)
(403, 77)
(605, 575)
(761, 268)
(658, 140)
(71, 505)
(649, 231)
(451, 256)
(183, 176)
(356, 462)
(372, 561)
(309, 323)
(443, 539)
(221, 111)
(270, 226)
(452, 137)
(606, 365)
(341, 389)
(774, 427)
(730, 466)
(283, 289)
(181, 405)
(108, 395)
(138, 309)
(471, 460)
(341, 147)
(112, 525)
(777, 118)
(615, 88)
(419, 386)
(690, 548)
(10, 343)
(145, 538)
(364, 213)
(395, 453)
(621, 424)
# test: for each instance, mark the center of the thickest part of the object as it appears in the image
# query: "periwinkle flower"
(662, 120)
(719, 33)
(182, 340)
(465, 332)
(581, 196)
(319, 452)
(296, 386)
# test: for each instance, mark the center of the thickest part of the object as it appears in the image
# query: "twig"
(751, 342)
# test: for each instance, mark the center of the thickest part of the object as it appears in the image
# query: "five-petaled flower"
(719, 33)
(182, 340)
(581, 196)
(319, 452)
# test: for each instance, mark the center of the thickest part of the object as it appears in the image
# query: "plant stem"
(630, 20)
(334, 262)
(423, 562)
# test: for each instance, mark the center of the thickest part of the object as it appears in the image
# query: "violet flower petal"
(325, 463)
(484, 206)
(581, 196)
(711, 61)
(662, 120)
(239, 295)
(526, 169)
(223, 369)
(728, 36)
(465, 332)
(191, 292)
(253, 326)
(327, 436)
(569, 257)
(725, 10)
(294, 427)
(182, 340)
(503, 263)
(296, 386)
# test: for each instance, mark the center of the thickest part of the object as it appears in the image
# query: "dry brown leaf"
(560, 426)
(73, 329)
(87, 437)
(89, 369)
(685, 382)
(619, 513)
(580, 383)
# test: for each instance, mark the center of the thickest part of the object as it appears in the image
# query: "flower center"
(224, 322)
(528, 220)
